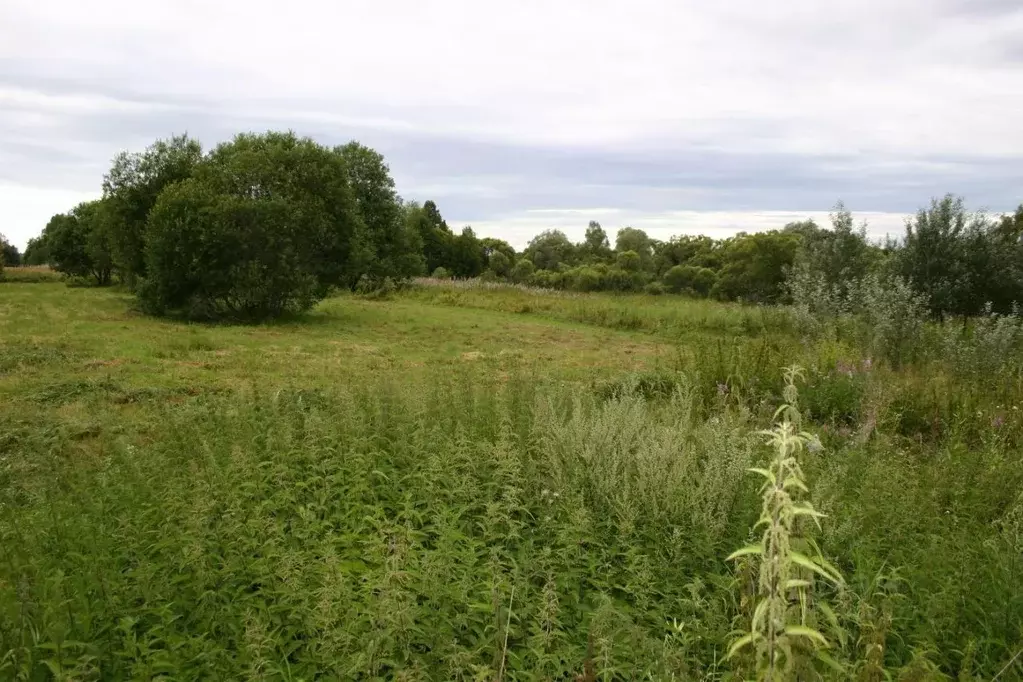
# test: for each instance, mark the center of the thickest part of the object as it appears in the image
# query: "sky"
(675, 116)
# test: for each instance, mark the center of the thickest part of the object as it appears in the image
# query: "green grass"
(476, 484)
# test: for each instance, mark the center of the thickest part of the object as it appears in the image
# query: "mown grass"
(441, 486)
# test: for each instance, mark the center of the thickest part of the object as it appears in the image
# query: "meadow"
(469, 482)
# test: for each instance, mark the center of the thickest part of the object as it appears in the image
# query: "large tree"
(434, 233)
(467, 258)
(36, 252)
(596, 247)
(835, 258)
(78, 242)
(267, 224)
(633, 239)
(396, 248)
(754, 266)
(947, 257)
(9, 254)
(132, 187)
(549, 249)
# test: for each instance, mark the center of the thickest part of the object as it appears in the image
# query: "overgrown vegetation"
(469, 481)
(170, 222)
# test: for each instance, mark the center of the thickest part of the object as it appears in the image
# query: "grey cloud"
(676, 105)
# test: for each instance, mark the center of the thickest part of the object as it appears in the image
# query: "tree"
(9, 254)
(595, 247)
(434, 216)
(267, 224)
(133, 185)
(78, 242)
(37, 252)
(499, 263)
(754, 266)
(433, 232)
(632, 239)
(834, 259)
(522, 270)
(690, 278)
(936, 257)
(466, 254)
(696, 250)
(395, 247)
(629, 261)
(549, 249)
(491, 246)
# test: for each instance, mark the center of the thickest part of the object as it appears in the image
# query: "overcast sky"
(670, 115)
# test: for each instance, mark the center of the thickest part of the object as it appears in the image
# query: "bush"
(697, 280)
(654, 289)
(893, 317)
(440, 273)
(985, 348)
(266, 226)
(522, 271)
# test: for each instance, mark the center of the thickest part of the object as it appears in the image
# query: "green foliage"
(635, 240)
(629, 261)
(549, 249)
(783, 623)
(500, 264)
(960, 261)
(754, 266)
(446, 482)
(595, 247)
(690, 279)
(267, 225)
(9, 254)
(395, 246)
(37, 251)
(466, 257)
(78, 243)
(132, 186)
(522, 270)
(831, 260)
(441, 273)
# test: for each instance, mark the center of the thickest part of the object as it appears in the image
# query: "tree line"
(269, 223)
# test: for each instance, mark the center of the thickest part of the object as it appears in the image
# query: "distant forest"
(269, 223)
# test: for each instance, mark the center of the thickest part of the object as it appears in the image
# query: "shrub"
(522, 271)
(266, 226)
(985, 348)
(500, 264)
(654, 289)
(629, 261)
(440, 272)
(893, 316)
(690, 278)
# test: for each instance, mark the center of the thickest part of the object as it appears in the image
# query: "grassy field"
(469, 483)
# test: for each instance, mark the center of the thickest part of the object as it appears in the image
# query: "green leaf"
(803, 631)
(741, 642)
(825, 571)
(746, 551)
(794, 482)
(769, 475)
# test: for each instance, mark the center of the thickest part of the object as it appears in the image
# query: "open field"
(463, 483)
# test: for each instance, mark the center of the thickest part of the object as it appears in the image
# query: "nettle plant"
(783, 632)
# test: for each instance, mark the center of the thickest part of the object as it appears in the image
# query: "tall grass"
(464, 523)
